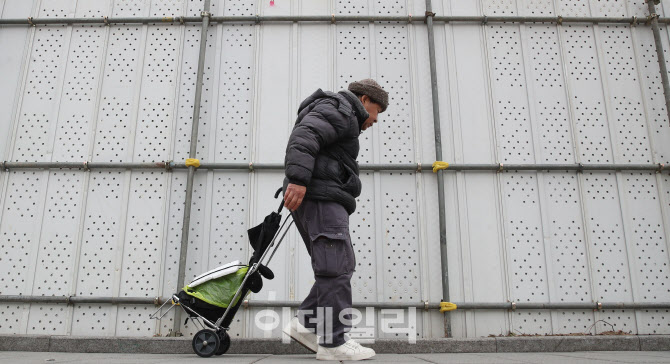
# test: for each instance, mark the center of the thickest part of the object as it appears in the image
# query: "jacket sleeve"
(322, 126)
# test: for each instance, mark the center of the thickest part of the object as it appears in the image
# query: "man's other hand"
(293, 196)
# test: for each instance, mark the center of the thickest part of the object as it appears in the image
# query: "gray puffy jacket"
(323, 147)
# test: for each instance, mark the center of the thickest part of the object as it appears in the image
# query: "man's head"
(374, 99)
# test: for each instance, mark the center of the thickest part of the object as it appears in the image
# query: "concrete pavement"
(447, 358)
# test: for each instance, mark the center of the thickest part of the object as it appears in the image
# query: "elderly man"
(320, 190)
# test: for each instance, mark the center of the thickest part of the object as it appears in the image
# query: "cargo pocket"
(331, 257)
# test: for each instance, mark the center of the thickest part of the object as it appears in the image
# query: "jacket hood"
(345, 104)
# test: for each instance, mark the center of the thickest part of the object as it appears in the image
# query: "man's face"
(373, 109)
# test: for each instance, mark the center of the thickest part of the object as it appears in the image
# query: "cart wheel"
(225, 342)
(206, 343)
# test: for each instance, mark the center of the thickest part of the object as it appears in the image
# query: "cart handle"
(281, 204)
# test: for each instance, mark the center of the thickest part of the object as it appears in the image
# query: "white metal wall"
(509, 93)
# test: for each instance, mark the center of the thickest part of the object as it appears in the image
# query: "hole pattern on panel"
(37, 118)
(531, 322)
(589, 110)
(144, 228)
(173, 245)
(504, 41)
(153, 127)
(205, 107)
(657, 322)
(56, 10)
(235, 94)
(84, 59)
(508, 84)
(353, 65)
(196, 262)
(47, 319)
(648, 237)
(112, 129)
(546, 60)
(18, 233)
(608, 251)
(239, 7)
(131, 7)
(631, 132)
(116, 111)
(653, 91)
(538, 7)
(48, 54)
(229, 219)
(404, 325)
(195, 7)
(551, 108)
(640, 8)
(618, 48)
(592, 132)
(189, 67)
(570, 265)
(134, 321)
(574, 322)
(526, 250)
(362, 226)
(101, 234)
(529, 277)
(58, 236)
(352, 7)
(10, 318)
(500, 7)
(573, 8)
(390, 7)
(393, 68)
(167, 7)
(401, 255)
(621, 320)
(92, 319)
(555, 132)
(582, 63)
(353, 43)
(235, 112)
(177, 198)
(616, 8)
(161, 57)
(392, 42)
(72, 138)
(33, 136)
(124, 42)
(515, 133)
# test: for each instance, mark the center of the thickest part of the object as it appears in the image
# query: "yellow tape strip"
(168, 19)
(192, 162)
(439, 165)
(447, 306)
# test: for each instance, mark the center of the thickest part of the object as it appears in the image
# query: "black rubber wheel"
(224, 344)
(206, 343)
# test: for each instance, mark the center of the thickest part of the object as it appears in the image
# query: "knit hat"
(372, 89)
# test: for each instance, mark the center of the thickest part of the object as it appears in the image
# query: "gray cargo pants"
(324, 227)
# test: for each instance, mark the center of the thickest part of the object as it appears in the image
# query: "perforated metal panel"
(509, 93)
(567, 258)
(647, 249)
(604, 231)
(16, 42)
(523, 224)
(38, 110)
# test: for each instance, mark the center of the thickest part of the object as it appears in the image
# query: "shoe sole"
(299, 342)
(361, 356)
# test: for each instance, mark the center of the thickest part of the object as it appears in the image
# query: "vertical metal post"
(438, 157)
(659, 54)
(192, 154)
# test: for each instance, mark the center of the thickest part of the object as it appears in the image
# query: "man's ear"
(365, 98)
